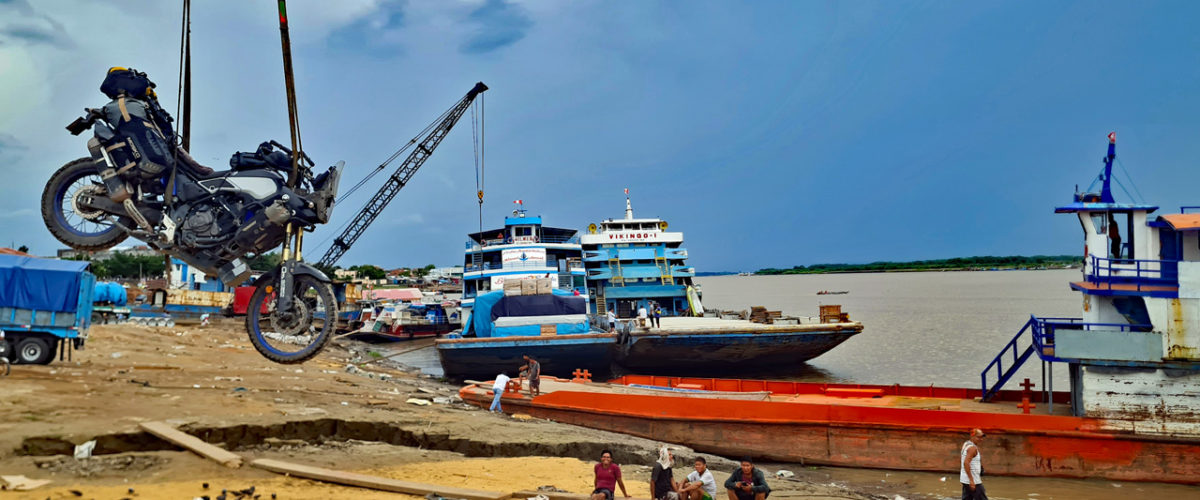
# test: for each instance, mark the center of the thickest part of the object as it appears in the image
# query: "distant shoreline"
(985, 263)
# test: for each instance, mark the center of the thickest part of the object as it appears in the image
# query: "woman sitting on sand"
(608, 476)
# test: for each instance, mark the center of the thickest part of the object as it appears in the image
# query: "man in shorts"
(700, 484)
(533, 370)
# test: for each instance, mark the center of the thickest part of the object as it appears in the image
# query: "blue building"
(633, 263)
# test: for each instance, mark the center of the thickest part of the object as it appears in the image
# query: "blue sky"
(770, 133)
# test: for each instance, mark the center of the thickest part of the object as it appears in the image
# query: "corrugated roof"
(1182, 222)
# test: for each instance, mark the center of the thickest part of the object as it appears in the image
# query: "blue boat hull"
(560, 355)
(708, 353)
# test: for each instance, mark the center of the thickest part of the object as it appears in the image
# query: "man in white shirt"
(642, 315)
(970, 474)
(498, 390)
(700, 484)
(612, 321)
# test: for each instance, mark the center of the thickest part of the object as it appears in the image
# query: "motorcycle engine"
(207, 225)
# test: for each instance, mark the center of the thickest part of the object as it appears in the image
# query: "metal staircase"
(1019, 357)
(664, 268)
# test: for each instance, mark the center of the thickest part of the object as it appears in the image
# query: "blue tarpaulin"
(492, 305)
(40, 284)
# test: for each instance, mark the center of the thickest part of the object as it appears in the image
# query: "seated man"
(700, 484)
(747, 483)
(641, 316)
(662, 482)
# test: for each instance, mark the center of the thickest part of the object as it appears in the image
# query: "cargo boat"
(728, 345)
(888, 427)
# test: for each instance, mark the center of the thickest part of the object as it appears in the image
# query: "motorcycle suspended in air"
(137, 182)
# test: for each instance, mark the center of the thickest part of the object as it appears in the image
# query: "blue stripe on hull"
(725, 352)
(559, 356)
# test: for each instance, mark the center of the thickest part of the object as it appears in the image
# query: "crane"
(398, 179)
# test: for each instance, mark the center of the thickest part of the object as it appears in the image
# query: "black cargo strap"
(115, 146)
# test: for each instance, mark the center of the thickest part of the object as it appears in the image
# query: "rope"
(1140, 198)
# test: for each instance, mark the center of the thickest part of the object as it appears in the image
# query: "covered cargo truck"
(45, 306)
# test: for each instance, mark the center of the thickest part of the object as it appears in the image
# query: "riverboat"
(1131, 410)
(634, 263)
(523, 248)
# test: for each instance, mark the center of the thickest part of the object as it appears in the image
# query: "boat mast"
(1106, 192)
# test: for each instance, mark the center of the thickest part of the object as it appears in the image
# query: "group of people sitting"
(745, 483)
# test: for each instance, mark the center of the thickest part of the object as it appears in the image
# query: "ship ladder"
(665, 268)
(614, 265)
(1018, 358)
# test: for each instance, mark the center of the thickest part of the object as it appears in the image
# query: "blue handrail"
(1140, 275)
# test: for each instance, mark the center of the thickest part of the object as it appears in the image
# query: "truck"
(45, 307)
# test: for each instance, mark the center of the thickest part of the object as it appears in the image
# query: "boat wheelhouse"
(633, 262)
(1134, 354)
(522, 249)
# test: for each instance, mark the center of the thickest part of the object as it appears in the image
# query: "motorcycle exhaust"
(118, 190)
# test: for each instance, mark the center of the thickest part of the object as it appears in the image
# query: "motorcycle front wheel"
(297, 334)
(67, 221)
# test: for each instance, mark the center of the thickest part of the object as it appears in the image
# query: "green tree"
(421, 272)
(369, 271)
(265, 262)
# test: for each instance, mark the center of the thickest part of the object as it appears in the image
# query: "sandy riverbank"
(213, 384)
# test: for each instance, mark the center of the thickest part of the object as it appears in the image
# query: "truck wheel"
(34, 351)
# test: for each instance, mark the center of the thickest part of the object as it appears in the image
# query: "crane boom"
(397, 180)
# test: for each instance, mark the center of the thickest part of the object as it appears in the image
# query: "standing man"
(700, 484)
(657, 315)
(970, 470)
(533, 370)
(498, 389)
(612, 321)
(747, 483)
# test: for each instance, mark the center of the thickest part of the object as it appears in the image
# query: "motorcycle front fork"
(290, 256)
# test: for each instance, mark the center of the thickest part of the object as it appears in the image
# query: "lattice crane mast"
(397, 180)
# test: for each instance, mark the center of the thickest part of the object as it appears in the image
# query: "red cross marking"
(1026, 405)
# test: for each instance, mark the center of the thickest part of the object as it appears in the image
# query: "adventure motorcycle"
(138, 182)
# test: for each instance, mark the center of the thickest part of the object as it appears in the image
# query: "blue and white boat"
(632, 263)
(522, 249)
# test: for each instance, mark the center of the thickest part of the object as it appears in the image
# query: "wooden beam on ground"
(192, 443)
(373, 482)
(558, 495)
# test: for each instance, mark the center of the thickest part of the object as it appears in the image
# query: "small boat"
(827, 292)
(875, 426)
(402, 321)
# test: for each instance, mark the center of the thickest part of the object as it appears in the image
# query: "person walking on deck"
(657, 315)
(533, 370)
(970, 471)
(612, 321)
(498, 389)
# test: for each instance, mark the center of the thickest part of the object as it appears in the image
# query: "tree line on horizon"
(980, 262)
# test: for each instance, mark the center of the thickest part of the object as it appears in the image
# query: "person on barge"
(747, 483)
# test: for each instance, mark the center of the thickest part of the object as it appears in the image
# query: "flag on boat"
(627, 191)
(519, 202)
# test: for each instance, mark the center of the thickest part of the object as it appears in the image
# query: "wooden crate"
(831, 314)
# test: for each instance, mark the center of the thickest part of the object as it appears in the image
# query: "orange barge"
(889, 427)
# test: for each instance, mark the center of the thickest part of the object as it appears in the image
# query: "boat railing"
(1140, 273)
(1041, 341)
(487, 266)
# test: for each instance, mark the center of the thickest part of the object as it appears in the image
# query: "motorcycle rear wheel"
(65, 222)
(294, 336)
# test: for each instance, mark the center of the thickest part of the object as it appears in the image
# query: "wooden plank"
(192, 443)
(373, 482)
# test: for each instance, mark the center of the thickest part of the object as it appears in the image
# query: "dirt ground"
(330, 412)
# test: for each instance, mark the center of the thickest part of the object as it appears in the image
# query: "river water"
(939, 328)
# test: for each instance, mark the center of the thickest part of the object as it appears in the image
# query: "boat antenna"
(628, 206)
(1106, 191)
